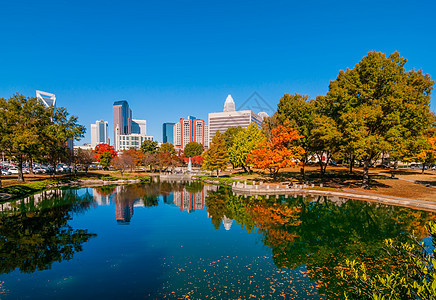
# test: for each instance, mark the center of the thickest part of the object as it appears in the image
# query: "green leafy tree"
(379, 107)
(230, 134)
(245, 141)
(216, 158)
(149, 146)
(56, 135)
(324, 140)
(299, 111)
(19, 119)
(193, 149)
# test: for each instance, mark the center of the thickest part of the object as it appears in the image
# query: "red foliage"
(194, 160)
(104, 149)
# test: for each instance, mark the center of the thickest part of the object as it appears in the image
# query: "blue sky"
(170, 59)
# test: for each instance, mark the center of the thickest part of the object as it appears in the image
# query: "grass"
(27, 188)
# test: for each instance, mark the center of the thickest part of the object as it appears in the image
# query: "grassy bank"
(38, 183)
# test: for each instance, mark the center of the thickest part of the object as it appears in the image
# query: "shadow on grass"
(337, 179)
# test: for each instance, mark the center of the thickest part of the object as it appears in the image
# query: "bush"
(414, 276)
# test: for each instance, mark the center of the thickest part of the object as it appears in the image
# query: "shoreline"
(4, 197)
(248, 190)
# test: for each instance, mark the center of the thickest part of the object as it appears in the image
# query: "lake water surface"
(177, 241)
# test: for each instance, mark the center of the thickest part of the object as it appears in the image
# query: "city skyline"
(177, 59)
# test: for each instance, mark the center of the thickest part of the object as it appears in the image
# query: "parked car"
(383, 166)
(38, 170)
(5, 172)
(13, 170)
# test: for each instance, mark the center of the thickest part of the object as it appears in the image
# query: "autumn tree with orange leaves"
(281, 152)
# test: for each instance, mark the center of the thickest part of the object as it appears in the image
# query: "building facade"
(190, 130)
(129, 141)
(99, 133)
(168, 133)
(122, 118)
(221, 121)
(139, 127)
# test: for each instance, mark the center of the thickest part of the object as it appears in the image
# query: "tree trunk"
(31, 165)
(217, 173)
(0, 177)
(351, 163)
(20, 170)
(365, 182)
(423, 168)
(302, 172)
(245, 169)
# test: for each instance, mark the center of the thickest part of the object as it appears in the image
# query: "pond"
(174, 240)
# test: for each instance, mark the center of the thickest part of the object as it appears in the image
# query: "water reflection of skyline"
(125, 201)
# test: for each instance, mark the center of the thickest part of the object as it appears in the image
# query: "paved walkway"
(346, 193)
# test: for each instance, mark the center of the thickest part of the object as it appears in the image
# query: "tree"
(122, 163)
(379, 107)
(150, 159)
(427, 153)
(245, 141)
(216, 158)
(193, 149)
(282, 152)
(324, 140)
(3, 128)
(85, 157)
(149, 146)
(299, 111)
(104, 154)
(33, 128)
(132, 158)
(56, 135)
(166, 155)
(230, 134)
(20, 118)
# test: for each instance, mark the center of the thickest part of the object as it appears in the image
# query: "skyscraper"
(99, 133)
(139, 127)
(168, 133)
(221, 121)
(47, 99)
(122, 117)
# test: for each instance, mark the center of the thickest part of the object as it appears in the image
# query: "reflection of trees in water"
(34, 237)
(216, 206)
(320, 232)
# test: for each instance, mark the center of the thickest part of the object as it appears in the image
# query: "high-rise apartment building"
(168, 133)
(99, 133)
(190, 130)
(221, 121)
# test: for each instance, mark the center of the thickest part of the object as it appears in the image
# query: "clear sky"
(171, 59)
